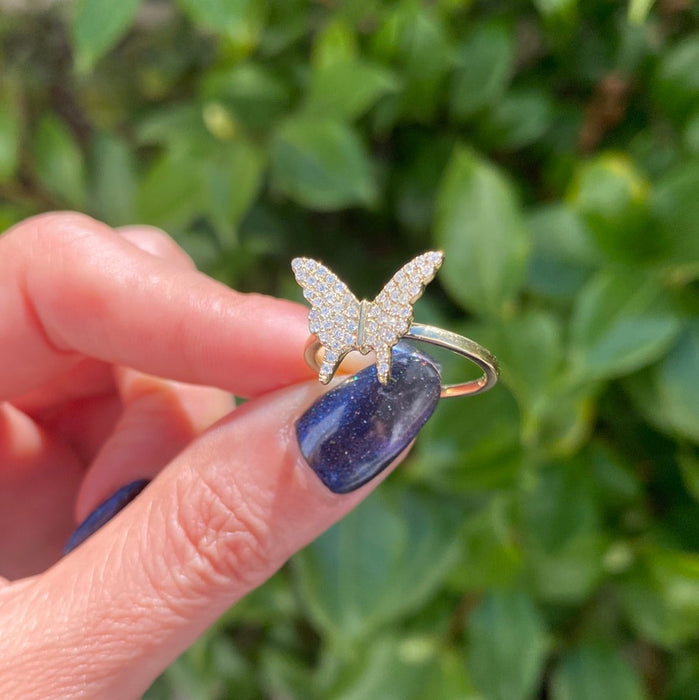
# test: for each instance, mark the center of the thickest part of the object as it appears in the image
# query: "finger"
(160, 418)
(222, 517)
(39, 477)
(81, 406)
(72, 287)
(89, 378)
(79, 409)
(82, 424)
(83, 380)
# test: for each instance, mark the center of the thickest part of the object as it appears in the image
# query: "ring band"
(441, 338)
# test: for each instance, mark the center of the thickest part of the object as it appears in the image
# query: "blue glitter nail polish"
(104, 513)
(357, 429)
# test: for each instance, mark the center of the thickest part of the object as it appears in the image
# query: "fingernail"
(104, 512)
(357, 429)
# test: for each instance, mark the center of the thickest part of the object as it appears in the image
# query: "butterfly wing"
(389, 316)
(334, 313)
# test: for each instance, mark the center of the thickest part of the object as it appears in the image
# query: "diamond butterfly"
(342, 323)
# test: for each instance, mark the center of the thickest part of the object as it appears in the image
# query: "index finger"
(71, 287)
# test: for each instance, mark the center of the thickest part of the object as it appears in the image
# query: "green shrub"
(543, 538)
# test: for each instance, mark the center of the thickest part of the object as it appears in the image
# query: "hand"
(92, 321)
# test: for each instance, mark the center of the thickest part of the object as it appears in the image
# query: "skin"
(117, 361)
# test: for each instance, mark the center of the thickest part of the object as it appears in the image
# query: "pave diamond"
(343, 324)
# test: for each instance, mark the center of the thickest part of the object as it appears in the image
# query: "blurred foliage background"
(542, 540)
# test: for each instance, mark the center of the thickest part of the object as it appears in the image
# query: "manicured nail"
(104, 513)
(357, 429)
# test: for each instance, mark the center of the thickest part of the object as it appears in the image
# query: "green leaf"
(484, 67)
(450, 679)
(112, 180)
(675, 209)
(172, 191)
(566, 420)
(97, 25)
(415, 183)
(563, 256)
(677, 80)
(256, 95)
(689, 466)
(235, 178)
(390, 668)
(529, 347)
(490, 554)
(519, 119)
(413, 40)
(322, 164)
(165, 126)
(691, 133)
(240, 21)
(288, 24)
(563, 540)
(336, 43)
(480, 227)
(661, 596)
(506, 646)
(212, 667)
(383, 560)
(668, 393)
(683, 676)
(486, 457)
(558, 12)
(59, 162)
(282, 674)
(595, 672)
(10, 131)
(613, 198)
(556, 415)
(621, 322)
(638, 10)
(617, 483)
(347, 89)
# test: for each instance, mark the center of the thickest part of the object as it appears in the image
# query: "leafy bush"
(542, 539)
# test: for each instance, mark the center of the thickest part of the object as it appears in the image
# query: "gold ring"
(340, 324)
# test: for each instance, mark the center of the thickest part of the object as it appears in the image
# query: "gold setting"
(340, 324)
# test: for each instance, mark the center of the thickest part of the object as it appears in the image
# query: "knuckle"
(64, 226)
(222, 536)
(156, 242)
(66, 236)
(56, 226)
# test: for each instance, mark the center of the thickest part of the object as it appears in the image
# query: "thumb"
(216, 523)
